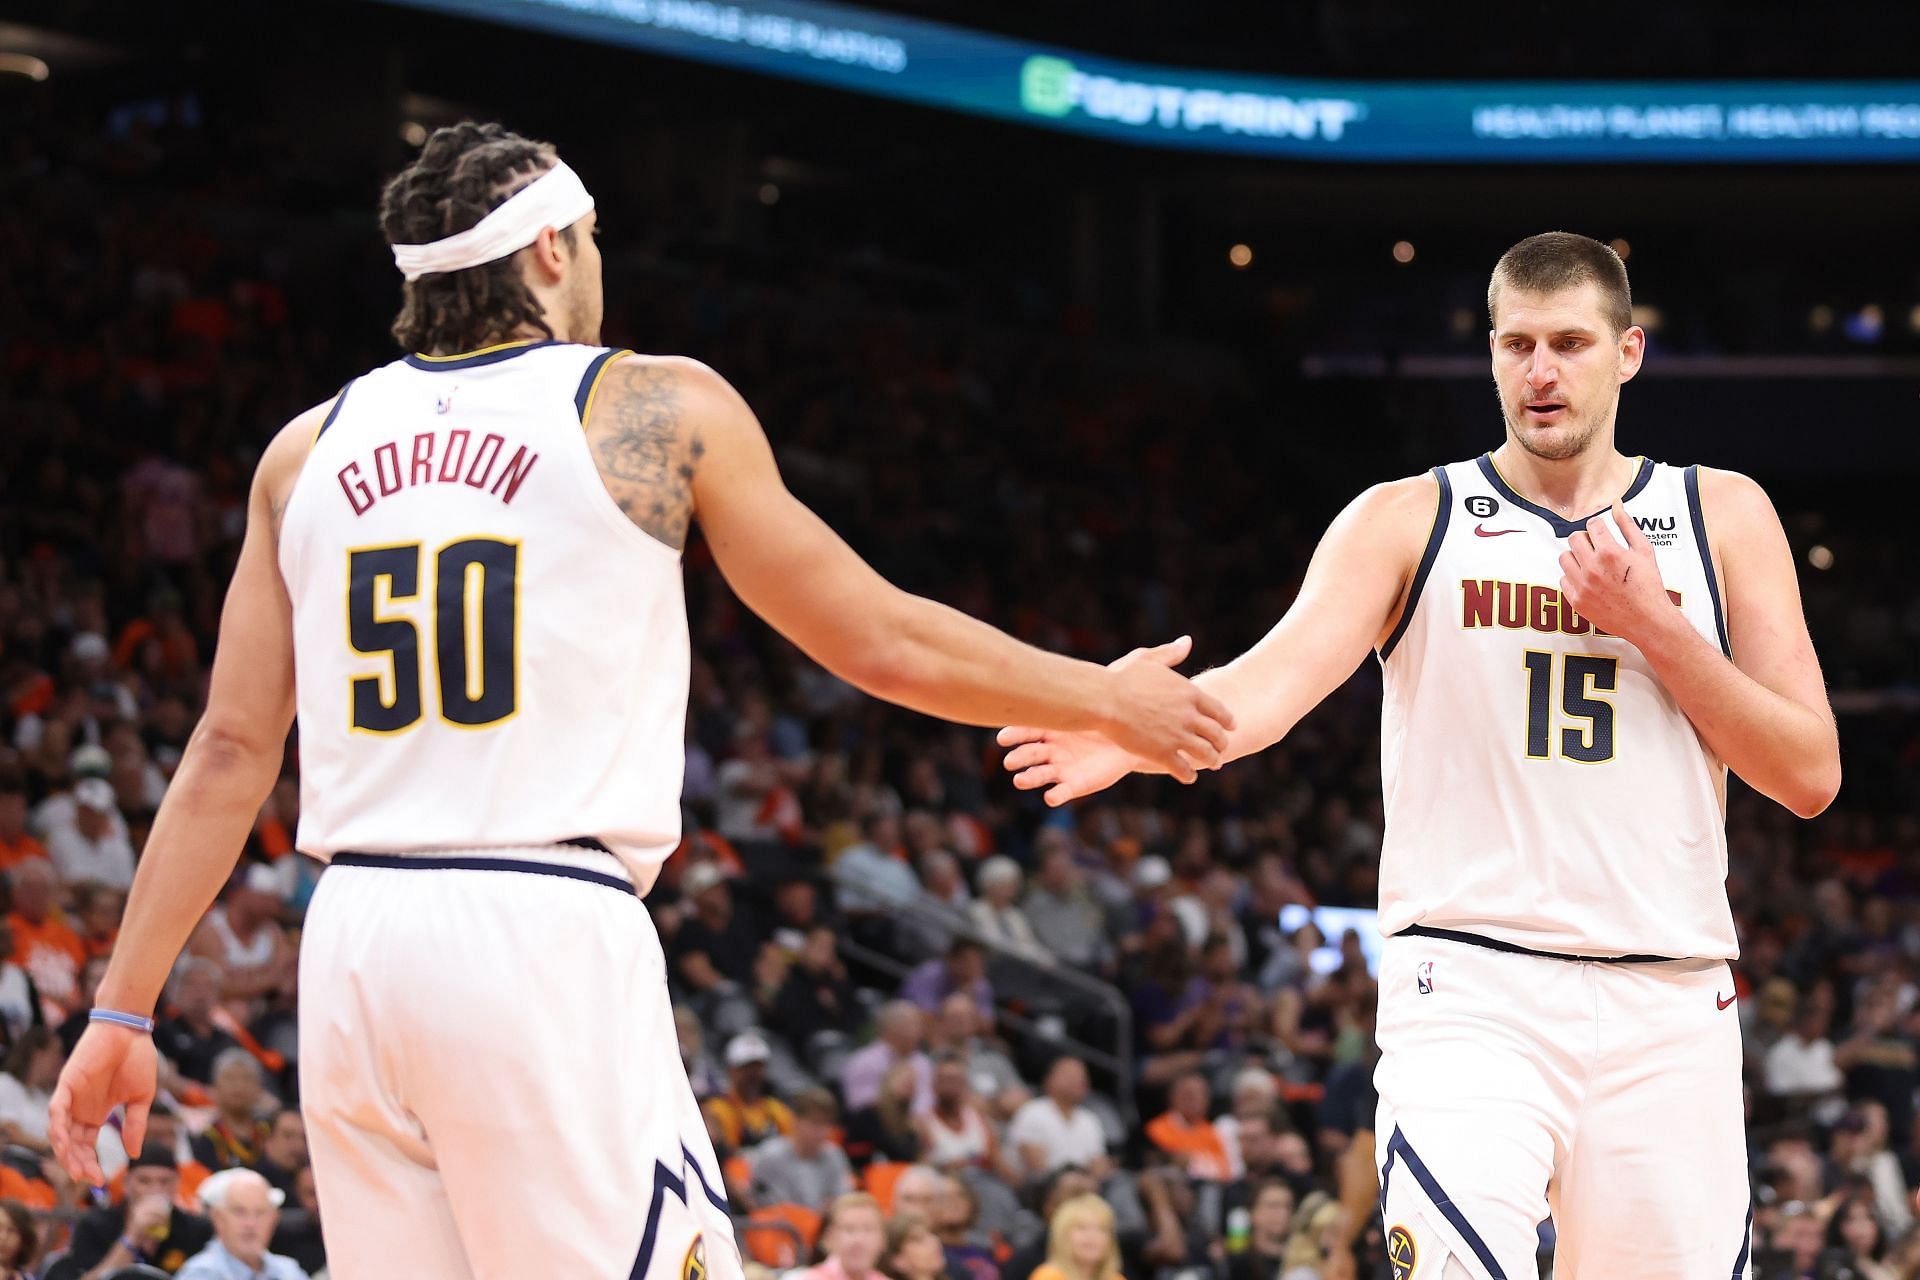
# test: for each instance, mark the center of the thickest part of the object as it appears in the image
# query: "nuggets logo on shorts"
(1401, 1253)
(694, 1265)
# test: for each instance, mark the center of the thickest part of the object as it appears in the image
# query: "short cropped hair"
(1556, 260)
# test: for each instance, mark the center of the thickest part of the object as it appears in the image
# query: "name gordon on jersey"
(1523, 606)
(457, 460)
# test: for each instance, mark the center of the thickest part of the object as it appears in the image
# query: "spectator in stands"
(1800, 1068)
(1061, 1186)
(19, 1000)
(20, 1241)
(1797, 1242)
(1860, 1148)
(299, 1235)
(887, 1131)
(717, 944)
(1080, 1242)
(26, 1088)
(1856, 1244)
(1186, 1134)
(874, 875)
(851, 1239)
(1056, 1129)
(96, 913)
(954, 1132)
(817, 995)
(44, 944)
(88, 841)
(1255, 1092)
(746, 1115)
(1061, 909)
(164, 1133)
(1269, 1222)
(705, 1075)
(75, 1024)
(916, 1190)
(1878, 1058)
(996, 914)
(245, 1211)
(902, 1026)
(237, 1138)
(963, 970)
(146, 1227)
(913, 1251)
(956, 1215)
(255, 956)
(285, 1152)
(805, 1167)
(17, 844)
(189, 1036)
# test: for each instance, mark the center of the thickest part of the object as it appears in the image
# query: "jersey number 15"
(475, 621)
(1582, 676)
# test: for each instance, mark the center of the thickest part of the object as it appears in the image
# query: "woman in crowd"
(851, 1239)
(1272, 1214)
(1081, 1243)
(886, 1130)
(26, 1088)
(913, 1251)
(1856, 1243)
(19, 1241)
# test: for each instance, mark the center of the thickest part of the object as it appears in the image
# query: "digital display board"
(982, 73)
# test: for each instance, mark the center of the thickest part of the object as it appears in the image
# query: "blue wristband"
(113, 1018)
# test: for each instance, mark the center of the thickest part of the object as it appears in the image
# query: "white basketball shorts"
(1514, 1086)
(491, 1080)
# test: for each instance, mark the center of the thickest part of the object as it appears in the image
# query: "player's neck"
(1578, 486)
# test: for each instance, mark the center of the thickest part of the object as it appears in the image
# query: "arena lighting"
(1866, 324)
(24, 64)
(413, 133)
(1820, 557)
(1621, 247)
(906, 59)
(1820, 319)
(1241, 256)
(769, 194)
(1913, 318)
(1403, 251)
(1648, 317)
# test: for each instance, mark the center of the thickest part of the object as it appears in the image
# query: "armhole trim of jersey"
(1706, 556)
(1438, 534)
(590, 381)
(334, 412)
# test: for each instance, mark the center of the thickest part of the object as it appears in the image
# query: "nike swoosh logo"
(1724, 1003)
(1481, 531)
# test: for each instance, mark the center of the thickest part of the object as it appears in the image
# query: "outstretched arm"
(673, 439)
(1348, 603)
(229, 766)
(1765, 713)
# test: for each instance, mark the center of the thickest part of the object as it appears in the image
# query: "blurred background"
(1097, 371)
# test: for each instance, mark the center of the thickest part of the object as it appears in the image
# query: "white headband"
(557, 198)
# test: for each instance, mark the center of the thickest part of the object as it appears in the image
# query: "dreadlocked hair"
(463, 172)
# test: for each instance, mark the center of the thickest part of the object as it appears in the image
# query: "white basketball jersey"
(1541, 787)
(488, 652)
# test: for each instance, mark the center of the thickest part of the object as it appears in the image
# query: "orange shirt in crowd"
(186, 1197)
(15, 852)
(51, 953)
(31, 1192)
(1199, 1145)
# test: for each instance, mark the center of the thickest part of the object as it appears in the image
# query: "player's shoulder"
(286, 453)
(1731, 499)
(1409, 501)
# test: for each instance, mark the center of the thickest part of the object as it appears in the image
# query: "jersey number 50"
(476, 623)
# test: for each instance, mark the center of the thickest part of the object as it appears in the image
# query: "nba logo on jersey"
(445, 403)
(1423, 977)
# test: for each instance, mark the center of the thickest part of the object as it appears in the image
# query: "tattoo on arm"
(647, 453)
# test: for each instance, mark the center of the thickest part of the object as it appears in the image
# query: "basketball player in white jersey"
(464, 572)
(1576, 645)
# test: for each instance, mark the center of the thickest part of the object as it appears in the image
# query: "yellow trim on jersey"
(483, 351)
(392, 656)
(594, 389)
(476, 639)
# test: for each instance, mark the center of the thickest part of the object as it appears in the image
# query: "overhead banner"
(958, 69)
